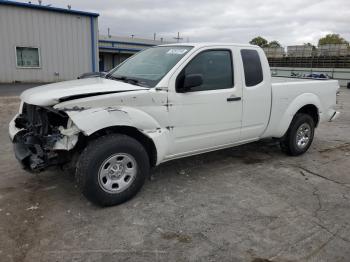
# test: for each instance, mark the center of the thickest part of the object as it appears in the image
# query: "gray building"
(114, 49)
(274, 52)
(299, 51)
(45, 44)
(333, 50)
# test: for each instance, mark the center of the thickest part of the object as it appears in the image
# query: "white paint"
(183, 124)
(69, 137)
(256, 101)
(48, 95)
(203, 119)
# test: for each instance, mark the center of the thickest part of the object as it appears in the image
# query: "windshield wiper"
(129, 80)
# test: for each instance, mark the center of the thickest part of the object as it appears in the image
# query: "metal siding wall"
(64, 41)
(95, 45)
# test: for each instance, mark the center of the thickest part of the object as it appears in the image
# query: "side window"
(252, 67)
(215, 67)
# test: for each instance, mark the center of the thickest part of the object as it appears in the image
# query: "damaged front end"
(42, 137)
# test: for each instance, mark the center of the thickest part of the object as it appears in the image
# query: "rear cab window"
(253, 72)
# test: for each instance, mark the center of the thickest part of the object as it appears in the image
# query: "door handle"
(234, 98)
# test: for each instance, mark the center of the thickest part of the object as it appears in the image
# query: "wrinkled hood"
(52, 94)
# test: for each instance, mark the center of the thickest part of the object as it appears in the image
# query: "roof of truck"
(205, 44)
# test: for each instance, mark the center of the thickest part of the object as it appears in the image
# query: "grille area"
(34, 143)
(40, 121)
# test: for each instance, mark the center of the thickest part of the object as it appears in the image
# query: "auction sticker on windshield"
(177, 51)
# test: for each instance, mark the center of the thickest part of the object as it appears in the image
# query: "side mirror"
(193, 81)
(189, 81)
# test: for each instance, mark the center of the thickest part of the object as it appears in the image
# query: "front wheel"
(112, 169)
(299, 135)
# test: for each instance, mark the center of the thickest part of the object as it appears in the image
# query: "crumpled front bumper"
(30, 155)
(20, 150)
(37, 153)
(13, 130)
(25, 157)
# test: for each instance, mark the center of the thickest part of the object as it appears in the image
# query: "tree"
(332, 39)
(309, 44)
(274, 44)
(259, 41)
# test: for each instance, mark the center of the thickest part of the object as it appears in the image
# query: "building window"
(27, 57)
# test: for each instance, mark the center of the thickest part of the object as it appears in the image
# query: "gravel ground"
(249, 203)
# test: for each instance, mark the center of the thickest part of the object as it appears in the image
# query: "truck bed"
(280, 79)
(291, 93)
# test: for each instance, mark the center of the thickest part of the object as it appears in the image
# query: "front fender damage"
(69, 137)
(42, 137)
(45, 137)
(91, 120)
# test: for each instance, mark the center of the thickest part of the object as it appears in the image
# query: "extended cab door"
(256, 91)
(207, 116)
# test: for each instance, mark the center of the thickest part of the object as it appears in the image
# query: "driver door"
(207, 116)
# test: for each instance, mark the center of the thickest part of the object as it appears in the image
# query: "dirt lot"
(248, 203)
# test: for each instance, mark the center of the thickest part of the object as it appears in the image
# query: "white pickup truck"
(166, 102)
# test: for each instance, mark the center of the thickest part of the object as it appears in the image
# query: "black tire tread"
(287, 142)
(88, 155)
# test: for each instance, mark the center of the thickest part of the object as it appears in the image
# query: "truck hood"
(48, 95)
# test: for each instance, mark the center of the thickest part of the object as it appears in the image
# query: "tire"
(112, 169)
(293, 144)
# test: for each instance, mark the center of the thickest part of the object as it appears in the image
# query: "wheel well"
(134, 133)
(312, 111)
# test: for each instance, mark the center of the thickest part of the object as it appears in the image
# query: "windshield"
(149, 66)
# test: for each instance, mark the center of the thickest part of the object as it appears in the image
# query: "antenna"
(178, 38)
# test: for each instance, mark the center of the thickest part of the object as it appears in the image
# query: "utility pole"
(109, 32)
(178, 38)
(154, 36)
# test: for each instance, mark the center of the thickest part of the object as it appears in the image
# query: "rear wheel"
(299, 135)
(112, 169)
